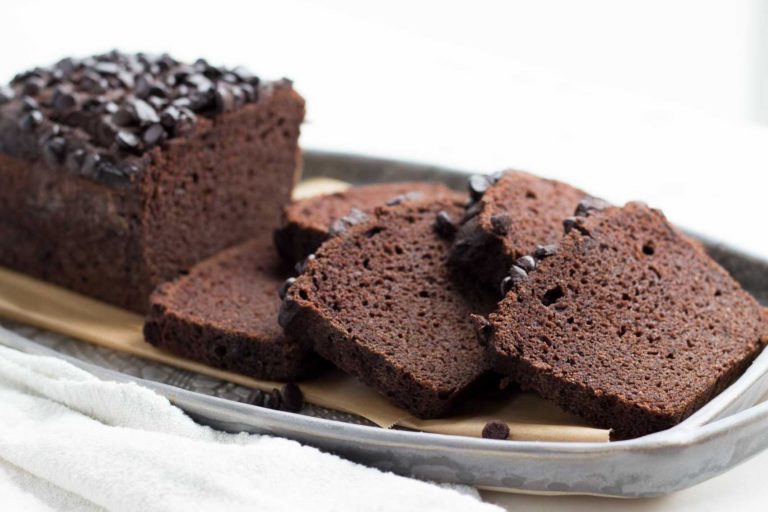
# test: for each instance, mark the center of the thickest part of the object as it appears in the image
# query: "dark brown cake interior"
(379, 302)
(629, 324)
(224, 313)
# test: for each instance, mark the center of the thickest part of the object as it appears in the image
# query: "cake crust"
(307, 223)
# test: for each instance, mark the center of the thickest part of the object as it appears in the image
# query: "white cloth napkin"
(69, 441)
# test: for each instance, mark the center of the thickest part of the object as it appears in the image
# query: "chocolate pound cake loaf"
(119, 171)
(306, 223)
(378, 302)
(224, 314)
(627, 323)
(508, 215)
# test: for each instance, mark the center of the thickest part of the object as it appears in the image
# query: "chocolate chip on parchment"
(496, 429)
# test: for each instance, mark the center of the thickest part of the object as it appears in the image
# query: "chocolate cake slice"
(119, 171)
(628, 323)
(307, 222)
(509, 214)
(378, 302)
(224, 314)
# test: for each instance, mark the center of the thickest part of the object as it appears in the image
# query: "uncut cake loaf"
(224, 314)
(119, 171)
(508, 215)
(378, 301)
(306, 223)
(627, 323)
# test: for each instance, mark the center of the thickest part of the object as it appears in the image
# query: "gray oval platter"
(727, 431)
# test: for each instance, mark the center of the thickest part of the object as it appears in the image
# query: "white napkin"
(69, 441)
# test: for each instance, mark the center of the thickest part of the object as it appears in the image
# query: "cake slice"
(628, 323)
(509, 214)
(224, 314)
(378, 301)
(306, 223)
(119, 171)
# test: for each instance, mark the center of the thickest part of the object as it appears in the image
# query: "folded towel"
(69, 441)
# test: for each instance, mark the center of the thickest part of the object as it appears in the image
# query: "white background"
(655, 100)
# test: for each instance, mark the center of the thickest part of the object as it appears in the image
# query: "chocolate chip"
(572, 223)
(154, 135)
(477, 185)
(355, 216)
(54, 151)
(107, 68)
(569, 223)
(496, 429)
(6, 94)
(302, 265)
(256, 397)
(63, 101)
(224, 100)
(128, 141)
(170, 117)
(483, 329)
(31, 120)
(109, 172)
(590, 205)
(292, 397)
(526, 262)
(496, 176)
(145, 113)
(283, 290)
(74, 160)
(500, 224)
(545, 251)
(29, 104)
(273, 399)
(90, 164)
(444, 225)
(516, 276)
(32, 86)
(125, 116)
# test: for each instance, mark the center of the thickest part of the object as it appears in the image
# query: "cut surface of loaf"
(306, 223)
(629, 324)
(224, 314)
(378, 301)
(509, 215)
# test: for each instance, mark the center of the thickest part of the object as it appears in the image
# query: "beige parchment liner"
(30, 301)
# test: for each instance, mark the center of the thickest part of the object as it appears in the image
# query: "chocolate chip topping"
(355, 216)
(289, 398)
(107, 111)
(444, 225)
(545, 251)
(496, 429)
(590, 205)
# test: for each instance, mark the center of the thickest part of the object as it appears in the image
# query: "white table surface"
(375, 88)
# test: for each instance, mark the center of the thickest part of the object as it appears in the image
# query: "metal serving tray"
(727, 431)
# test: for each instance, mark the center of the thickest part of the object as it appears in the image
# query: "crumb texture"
(629, 324)
(224, 313)
(379, 302)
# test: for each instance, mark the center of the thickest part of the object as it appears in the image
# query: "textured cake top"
(98, 116)
(628, 309)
